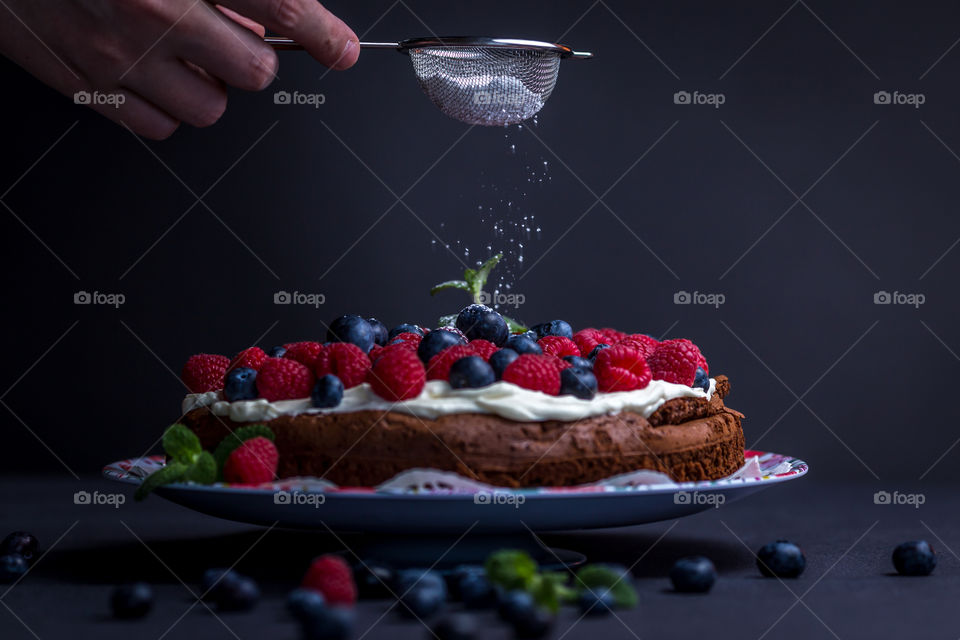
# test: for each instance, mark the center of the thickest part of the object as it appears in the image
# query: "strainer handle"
(286, 44)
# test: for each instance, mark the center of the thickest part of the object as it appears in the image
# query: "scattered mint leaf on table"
(597, 576)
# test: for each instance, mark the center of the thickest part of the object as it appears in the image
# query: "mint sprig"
(233, 441)
(473, 282)
(594, 577)
(514, 569)
(187, 462)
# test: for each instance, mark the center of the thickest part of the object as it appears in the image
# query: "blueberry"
(241, 594)
(435, 342)
(373, 579)
(553, 328)
(214, 580)
(578, 382)
(404, 328)
(702, 380)
(12, 566)
(21, 543)
(515, 604)
(380, 334)
(422, 601)
(480, 322)
(276, 352)
(915, 558)
(327, 392)
(476, 592)
(500, 359)
(303, 603)
(456, 626)
(578, 362)
(695, 574)
(470, 373)
(410, 579)
(535, 624)
(131, 601)
(329, 623)
(351, 328)
(523, 345)
(595, 602)
(240, 384)
(782, 559)
(459, 573)
(596, 350)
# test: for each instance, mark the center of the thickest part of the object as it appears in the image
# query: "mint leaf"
(173, 472)
(549, 591)
(180, 443)
(447, 321)
(513, 326)
(233, 441)
(511, 569)
(483, 272)
(598, 576)
(203, 471)
(450, 284)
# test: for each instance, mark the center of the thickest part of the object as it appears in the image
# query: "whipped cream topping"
(438, 398)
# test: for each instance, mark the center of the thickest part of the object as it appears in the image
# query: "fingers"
(243, 21)
(138, 115)
(185, 94)
(321, 33)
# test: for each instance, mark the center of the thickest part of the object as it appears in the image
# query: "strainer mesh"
(486, 85)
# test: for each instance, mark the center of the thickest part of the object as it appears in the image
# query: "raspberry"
(283, 379)
(253, 462)
(204, 372)
(251, 358)
(398, 375)
(439, 366)
(414, 338)
(305, 353)
(558, 346)
(676, 361)
(332, 577)
(612, 336)
(587, 340)
(375, 352)
(345, 360)
(409, 345)
(539, 373)
(483, 348)
(641, 342)
(621, 368)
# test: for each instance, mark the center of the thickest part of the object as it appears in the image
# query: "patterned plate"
(429, 501)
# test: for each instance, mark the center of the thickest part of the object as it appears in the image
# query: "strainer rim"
(477, 41)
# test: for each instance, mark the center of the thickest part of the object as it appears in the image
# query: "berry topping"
(204, 372)
(621, 368)
(538, 373)
(352, 329)
(306, 353)
(695, 574)
(612, 336)
(579, 382)
(676, 361)
(250, 358)
(478, 321)
(915, 558)
(553, 328)
(283, 379)
(596, 350)
(641, 342)
(253, 462)
(405, 328)
(411, 338)
(558, 346)
(346, 361)
(328, 392)
(501, 359)
(398, 375)
(781, 559)
(439, 365)
(380, 334)
(701, 380)
(483, 348)
(276, 352)
(332, 577)
(470, 373)
(131, 601)
(524, 344)
(240, 384)
(587, 340)
(435, 342)
(375, 352)
(578, 362)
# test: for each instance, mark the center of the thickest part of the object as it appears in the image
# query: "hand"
(155, 63)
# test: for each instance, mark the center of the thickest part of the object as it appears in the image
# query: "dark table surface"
(847, 590)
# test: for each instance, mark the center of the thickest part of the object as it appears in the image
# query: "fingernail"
(351, 51)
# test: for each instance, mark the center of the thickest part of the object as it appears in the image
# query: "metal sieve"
(485, 81)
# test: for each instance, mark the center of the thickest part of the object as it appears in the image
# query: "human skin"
(163, 62)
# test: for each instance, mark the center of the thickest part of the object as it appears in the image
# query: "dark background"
(707, 208)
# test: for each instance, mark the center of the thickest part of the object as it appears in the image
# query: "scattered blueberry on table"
(131, 601)
(20, 543)
(596, 602)
(456, 626)
(781, 559)
(303, 603)
(12, 568)
(328, 623)
(695, 574)
(914, 558)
